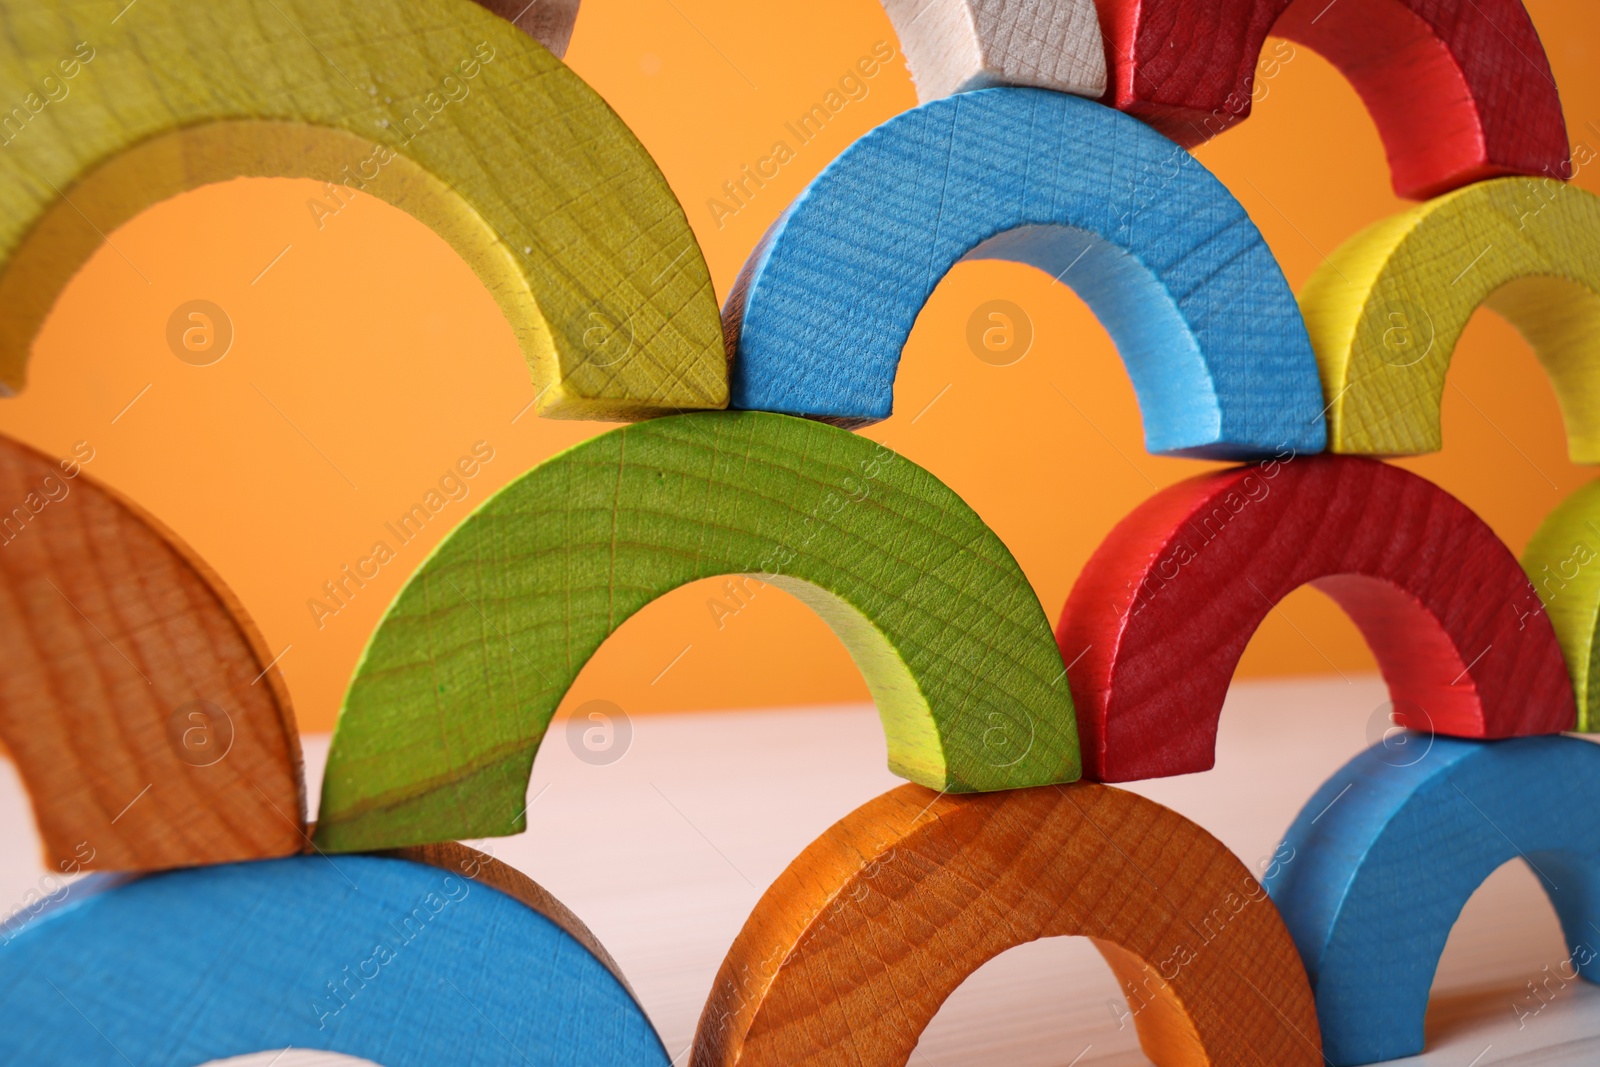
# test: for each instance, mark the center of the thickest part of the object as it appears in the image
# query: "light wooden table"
(664, 852)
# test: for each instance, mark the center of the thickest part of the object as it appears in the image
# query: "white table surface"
(664, 852)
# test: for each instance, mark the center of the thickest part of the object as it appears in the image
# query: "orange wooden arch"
(136, 699)
(849, 954)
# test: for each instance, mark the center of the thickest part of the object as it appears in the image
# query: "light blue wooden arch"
(188, 966)
(1382, 859)
(1166, 257)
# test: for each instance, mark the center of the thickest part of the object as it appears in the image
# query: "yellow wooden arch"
(436, 106)
(1385, 310)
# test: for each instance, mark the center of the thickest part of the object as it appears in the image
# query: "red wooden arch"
(1459, 91)
(1157, 621)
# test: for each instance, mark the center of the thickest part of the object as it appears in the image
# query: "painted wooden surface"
(1386, 308)
(137, 699)
(1157, 621)
(547, 21)
(437, 106)
(397, 962)
(952, 46)
(453, 694)
(1563, 561)
(851, 951)
(715, 805)
(1460, 92)
(1159, 249)
(1416, 829)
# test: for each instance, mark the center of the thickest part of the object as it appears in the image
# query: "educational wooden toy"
(155, 737)
(853, 948)
(1459, 91)
(131, 672)
(440, 957)
(1386, 308)
(1561, 560)
(1164, 608)
(952, 46)
(544, 191)
(482, 643)
(1159, 249)
(1384, 856)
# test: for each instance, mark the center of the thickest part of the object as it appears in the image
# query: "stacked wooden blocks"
(1051, 133)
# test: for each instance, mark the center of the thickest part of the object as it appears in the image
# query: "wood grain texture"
(1155, 624)
(1563, 561)
(436, 106)
(136, 699)
(394, 961)
(448, 705)
(953, 46)
(484, 868)
(1383, 857)
(1459, 92)
(1385, 310)
(851, 951)
(1156, 246)
(547, 21)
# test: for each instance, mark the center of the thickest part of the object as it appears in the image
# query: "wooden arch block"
(547, 21)
(441, 956)
(441, 721)
(854, 947)
(1160, 615)
(1383, 858)
(1563, 561)
(436, 106)
(1386, 308)
(1162, 252)
(136, 698)
(953, 46)
(1460, 92)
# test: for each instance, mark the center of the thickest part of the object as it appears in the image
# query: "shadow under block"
(436, 106)
(444, 958)
(1157, 621)
(1459, 91)
(1385, 310)
(1563, 561)
(1380, 862)
(447, 707)
(136, 699)
(852, 950)
(1159, 249)
(953, 46)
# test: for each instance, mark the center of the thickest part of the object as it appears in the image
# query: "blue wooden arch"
(1205, 322)
(418, 967)
(1382, 859)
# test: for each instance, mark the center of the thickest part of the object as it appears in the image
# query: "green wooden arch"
(436, 106)
(447, 707)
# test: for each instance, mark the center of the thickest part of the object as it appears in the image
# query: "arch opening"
(1386, 310)
(1425, 833)
(452, 697)
(1162, 251)
(1154, 628)
(1156, 344)
(607, 292)
(169, 164)
(893, 909)
(1457, 97)
(1506, 948)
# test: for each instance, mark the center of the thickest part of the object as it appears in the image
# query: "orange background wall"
(367, 358)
